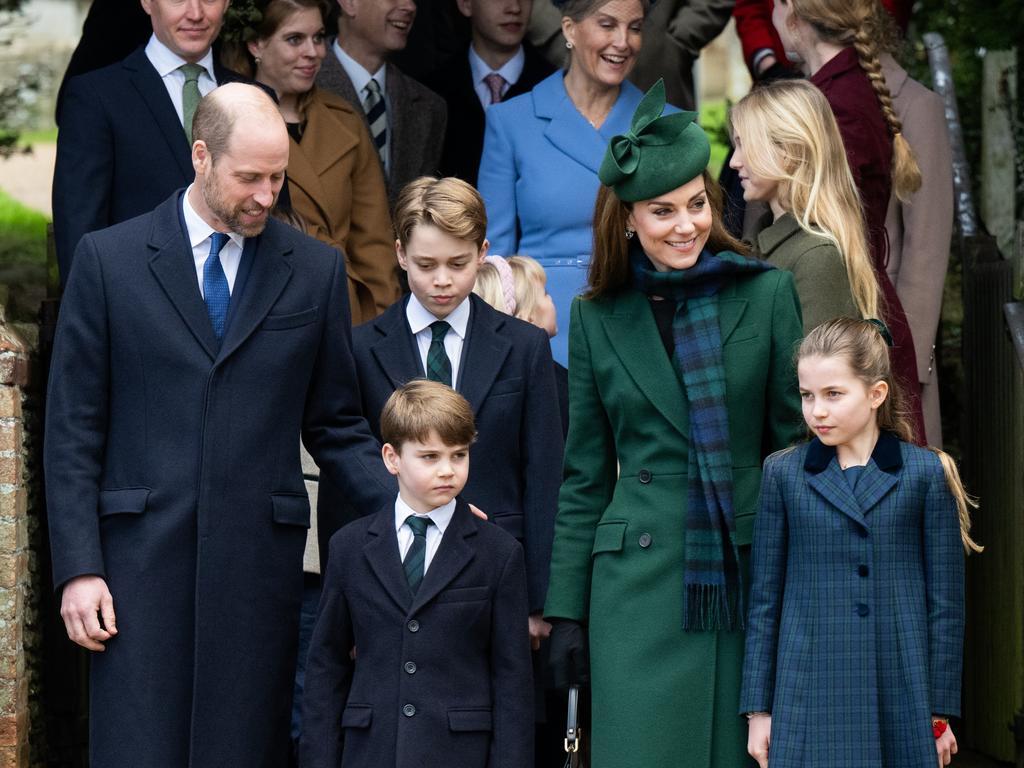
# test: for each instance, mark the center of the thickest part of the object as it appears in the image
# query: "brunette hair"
(420, 407)
(577, 10)
(609, 265)
(789, 135)
(860, 23)
(861, 344)
(450, 204)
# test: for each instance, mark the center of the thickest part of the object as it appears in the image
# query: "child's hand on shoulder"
(759, 737)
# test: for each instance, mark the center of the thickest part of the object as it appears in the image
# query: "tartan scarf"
(712, 589)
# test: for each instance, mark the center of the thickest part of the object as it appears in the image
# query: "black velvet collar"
(887, 454)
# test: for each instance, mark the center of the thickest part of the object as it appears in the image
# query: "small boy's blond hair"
(488, 286)
(530, 279)
(420, 407)
(450, 204)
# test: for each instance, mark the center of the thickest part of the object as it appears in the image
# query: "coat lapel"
(174, 268)
(634, 336)
(382, 556)
(153, 92)
(830, 483)
(268, 274)
(881, 474)
(485, 353)
(567, 129)
(395, 351)
(451, 557)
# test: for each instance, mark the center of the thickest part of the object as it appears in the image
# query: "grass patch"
(22, 256)
(28, 138)
(713, 120)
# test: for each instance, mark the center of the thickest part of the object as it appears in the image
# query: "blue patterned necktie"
(439, 367)
(416, 558)
(215, 285)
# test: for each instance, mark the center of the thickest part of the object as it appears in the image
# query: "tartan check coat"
(855, 628)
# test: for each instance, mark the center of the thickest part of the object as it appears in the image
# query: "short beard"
(231, 218)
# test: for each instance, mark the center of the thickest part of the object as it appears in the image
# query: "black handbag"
(573, 735)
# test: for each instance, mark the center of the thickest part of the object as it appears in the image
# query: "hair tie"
(508, 283)
(882, 329)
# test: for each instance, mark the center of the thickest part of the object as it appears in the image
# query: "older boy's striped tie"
(416, 557)
(439, 367)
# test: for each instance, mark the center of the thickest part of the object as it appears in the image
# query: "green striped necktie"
(416, 557)
(439, 367)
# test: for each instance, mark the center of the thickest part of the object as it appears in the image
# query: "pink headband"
(508, 283)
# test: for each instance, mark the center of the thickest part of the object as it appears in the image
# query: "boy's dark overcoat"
(172, 471)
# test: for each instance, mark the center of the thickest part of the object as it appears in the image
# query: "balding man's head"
(229, 105)
(240, 153)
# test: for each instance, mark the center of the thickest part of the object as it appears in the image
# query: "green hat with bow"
(659, 152)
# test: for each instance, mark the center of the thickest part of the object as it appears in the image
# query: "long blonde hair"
(860, 23)
(790, 136)
(862, 345)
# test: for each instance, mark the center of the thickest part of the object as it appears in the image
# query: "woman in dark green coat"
(681, 381)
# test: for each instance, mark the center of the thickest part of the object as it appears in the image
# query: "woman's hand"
(945, 745)
(569, 654)
(759, 738)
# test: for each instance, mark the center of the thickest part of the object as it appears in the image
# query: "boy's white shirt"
(419, 320)
(441, 516)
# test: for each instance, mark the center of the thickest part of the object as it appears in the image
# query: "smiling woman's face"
(606, 42)
(673, 228)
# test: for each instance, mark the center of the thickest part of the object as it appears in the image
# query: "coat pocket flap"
(292, 320)
(609, 536)
(469, 719)
(357, 716)
(291, 508)
(123, 501)
(512, 524)
(463, 595)
(506, 386)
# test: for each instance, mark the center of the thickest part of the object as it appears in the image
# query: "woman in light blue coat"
(538, 171)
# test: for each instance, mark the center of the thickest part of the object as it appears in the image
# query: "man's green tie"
(190, 96)
(416, 557)
(439, 367)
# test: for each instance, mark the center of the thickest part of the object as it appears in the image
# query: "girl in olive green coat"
(789, 154)
(680, 382)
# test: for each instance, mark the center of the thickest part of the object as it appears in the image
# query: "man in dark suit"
(124, 133)
(195, 342)
(496, 67)
(406, 120)
(434, 602)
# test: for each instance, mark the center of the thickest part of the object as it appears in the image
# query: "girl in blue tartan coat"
(855, 629)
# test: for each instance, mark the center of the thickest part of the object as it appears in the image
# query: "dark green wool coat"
(661, 697)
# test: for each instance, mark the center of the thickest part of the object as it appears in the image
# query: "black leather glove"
(570, 654)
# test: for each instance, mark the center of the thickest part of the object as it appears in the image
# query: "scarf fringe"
(712, 607)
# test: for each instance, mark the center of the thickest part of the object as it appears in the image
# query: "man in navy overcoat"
(176, 500)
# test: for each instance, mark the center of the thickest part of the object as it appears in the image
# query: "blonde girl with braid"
(788, 153)
(835, 43)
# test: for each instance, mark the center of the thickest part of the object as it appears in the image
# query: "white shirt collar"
(198, 229)
(441, 516)
(357, 73)
(165, 61)
(419, 318)
(511, 70)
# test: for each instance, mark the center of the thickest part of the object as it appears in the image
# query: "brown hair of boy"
(450, 204)
(862, 345)
(420, 407)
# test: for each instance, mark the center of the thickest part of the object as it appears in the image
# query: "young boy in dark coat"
(419, 656)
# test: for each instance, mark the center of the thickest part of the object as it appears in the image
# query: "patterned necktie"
(190, 96)
(215, 285)
(376, 116)
(439, 367)
(495, 82)
(416, 558)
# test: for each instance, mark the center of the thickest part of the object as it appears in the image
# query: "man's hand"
(945, 745)
(83, 601)
(759, 738)
(539, 629)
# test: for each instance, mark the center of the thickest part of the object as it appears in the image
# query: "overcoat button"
(862, 570)
(645, 476)
(645, 540)
(408, 710)
(862, 609)
(410, 667)
(413, 625)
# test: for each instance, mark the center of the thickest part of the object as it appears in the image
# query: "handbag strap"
(572, 722)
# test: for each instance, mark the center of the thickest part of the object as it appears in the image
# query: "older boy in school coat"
(432, 600)
(500, 364)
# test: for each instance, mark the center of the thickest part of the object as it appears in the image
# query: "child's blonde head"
(450, 204)
(530, 281)
(421, 407)
(790, 136)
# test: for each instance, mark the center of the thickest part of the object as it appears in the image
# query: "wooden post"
(998, 150)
